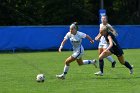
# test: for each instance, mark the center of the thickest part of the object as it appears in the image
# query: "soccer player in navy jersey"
(113, 48)
(102, 42)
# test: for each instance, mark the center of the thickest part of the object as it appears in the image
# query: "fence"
(50, 37)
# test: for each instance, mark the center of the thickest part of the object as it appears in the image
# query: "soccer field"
(18, 74)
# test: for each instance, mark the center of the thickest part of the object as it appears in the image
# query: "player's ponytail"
(108, 29)
(74, 24)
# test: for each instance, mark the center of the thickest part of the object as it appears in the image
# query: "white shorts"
(102, 45)
(78, 54)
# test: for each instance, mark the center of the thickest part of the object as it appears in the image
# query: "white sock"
(88, 62)
(66, 68)
(110, 59)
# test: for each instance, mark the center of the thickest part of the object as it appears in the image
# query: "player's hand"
(96, 38)
(92, 41)
(59, 50)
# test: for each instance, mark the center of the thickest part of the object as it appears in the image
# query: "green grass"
(18, 73)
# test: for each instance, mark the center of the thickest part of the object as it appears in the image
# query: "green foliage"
(63, 12)
(125, 11)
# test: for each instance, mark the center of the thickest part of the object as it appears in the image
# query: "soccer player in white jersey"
(75, 37)
(102, 42)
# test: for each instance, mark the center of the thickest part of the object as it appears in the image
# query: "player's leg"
(85, 62)
(66, 67)
(109, 58)
(101, 48)
(123, 62)
(101, 62)
(79, 60)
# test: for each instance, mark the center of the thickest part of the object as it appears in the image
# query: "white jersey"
(102, 40)
(76, 41)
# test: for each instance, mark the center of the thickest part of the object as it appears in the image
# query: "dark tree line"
(63, 12)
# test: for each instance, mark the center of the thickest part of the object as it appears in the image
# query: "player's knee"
(67, 63)
(80, 64)
(100, 58)
(122, 62)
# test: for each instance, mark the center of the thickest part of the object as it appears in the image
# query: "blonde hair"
(108, 29)
(74, 25)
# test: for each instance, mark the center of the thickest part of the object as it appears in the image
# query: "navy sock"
(89, 62)
(101, 65)
(65, 73)
(127, 65)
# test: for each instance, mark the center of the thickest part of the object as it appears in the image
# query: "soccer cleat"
(113, 64)
(95, 63)
(99, 73)
(60, 76)
(131, 70)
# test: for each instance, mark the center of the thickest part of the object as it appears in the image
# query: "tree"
(125, 11)
(63, 12)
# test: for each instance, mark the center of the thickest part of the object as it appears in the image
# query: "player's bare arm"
(62, 44)
(110, 43)
(90, 39)
(97, 38)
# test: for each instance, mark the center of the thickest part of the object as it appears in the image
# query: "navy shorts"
(116, 51)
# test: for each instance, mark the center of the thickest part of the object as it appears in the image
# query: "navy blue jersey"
(115, 49)
(115, 42)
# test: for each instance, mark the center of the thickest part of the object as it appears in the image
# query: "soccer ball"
(40, 78)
